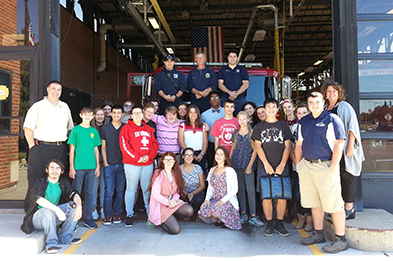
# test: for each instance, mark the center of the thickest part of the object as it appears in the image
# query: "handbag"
(276, 187)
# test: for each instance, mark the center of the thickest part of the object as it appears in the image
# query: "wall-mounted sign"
(137, 79)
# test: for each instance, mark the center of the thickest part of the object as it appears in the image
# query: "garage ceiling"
(305, 38)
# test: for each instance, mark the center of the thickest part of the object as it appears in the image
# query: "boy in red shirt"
(224, 128)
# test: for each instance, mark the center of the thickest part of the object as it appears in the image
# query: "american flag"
(208, 40)
(31, 35)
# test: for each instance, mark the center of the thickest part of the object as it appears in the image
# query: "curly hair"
(337, 86)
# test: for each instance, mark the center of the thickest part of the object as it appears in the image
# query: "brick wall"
(79, 61)
(9, 145)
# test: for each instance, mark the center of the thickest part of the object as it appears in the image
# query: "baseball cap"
(168, 57)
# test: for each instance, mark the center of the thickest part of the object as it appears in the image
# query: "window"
(376, 115)
(379, 155)
(374, 7)
(375, 37)
(375, 75)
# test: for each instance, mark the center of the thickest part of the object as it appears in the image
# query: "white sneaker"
(102, 213)
(95, 214)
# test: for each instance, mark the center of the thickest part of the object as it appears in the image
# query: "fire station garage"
(108, 50)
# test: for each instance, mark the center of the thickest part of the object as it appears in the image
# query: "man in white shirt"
(46, 128)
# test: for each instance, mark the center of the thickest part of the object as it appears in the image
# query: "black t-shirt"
(111, 136)
(273, 137)
(153, 125)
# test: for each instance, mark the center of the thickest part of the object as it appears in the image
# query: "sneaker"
(107, 221)
(76, 241)
(268, 232)
(102, 215)
(150, 225)
(52, 249)
(117, 219)
(280, 229)
(129, 221)
(313, 239)
(89, 223)
(243, 217)
(255, 221)
(337, 246)
(95, 215)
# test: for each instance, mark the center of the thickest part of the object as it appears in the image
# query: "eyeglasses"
(169, 160)
(137, 113)
(214, 98)
(188, 155)
(128, 105)
(55, 168)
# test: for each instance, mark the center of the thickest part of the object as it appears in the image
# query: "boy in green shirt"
(84, 160)
(53, 202)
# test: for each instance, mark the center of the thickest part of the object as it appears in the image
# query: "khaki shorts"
(319, 186)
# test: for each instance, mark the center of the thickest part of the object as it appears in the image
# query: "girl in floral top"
(194, 180)
(221, 205)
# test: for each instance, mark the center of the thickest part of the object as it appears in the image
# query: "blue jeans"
(99, 182)
(246, 183)
(85, 176)
(134, 174)
(114, 178)
(47, 220)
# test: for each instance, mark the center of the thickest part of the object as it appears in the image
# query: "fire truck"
(263, 82)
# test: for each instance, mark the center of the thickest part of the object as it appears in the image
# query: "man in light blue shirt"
(210, 116)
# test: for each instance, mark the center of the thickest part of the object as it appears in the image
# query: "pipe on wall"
(103, 29)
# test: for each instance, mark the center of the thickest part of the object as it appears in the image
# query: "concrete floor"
(17, 192)
(195, 241)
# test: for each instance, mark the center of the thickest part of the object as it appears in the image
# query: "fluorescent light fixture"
(318, 62)
(170, 50)
(302, 73)
(154, 23)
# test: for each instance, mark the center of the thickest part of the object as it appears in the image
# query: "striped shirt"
(167, 134)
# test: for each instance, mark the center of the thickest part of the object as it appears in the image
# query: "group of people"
(198, 161)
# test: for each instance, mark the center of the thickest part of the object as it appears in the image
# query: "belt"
(58, 143)
(317, 160)
(162, 154)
